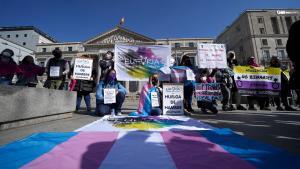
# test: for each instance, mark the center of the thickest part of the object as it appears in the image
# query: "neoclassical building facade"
(96, 47)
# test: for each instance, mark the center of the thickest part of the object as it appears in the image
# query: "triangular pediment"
(119, 35)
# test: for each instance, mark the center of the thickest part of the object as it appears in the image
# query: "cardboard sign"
(211, 55)
(83, 69)
(173, 99)
(208, 91)
(54, 71)
(109, 96)
(154, 99)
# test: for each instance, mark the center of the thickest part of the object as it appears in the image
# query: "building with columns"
(96, 47)
(260, 33)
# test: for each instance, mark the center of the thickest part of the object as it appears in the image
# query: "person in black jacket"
(56, 69)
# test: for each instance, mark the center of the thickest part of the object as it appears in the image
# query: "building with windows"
(97, 46)
(19, 51)
(26, 36)
(260, 33)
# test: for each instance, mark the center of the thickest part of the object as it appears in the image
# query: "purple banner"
(258, 85)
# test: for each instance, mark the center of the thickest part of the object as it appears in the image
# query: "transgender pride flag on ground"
(163, 145)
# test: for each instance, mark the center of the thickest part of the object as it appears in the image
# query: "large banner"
(83, 68)
(137, 63)
(211, 55)
(208, 91)
(172, 99)
(257, 81)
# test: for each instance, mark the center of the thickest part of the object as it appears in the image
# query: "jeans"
(87, 99)
(226, 95)
(104, 109)
(188, 96)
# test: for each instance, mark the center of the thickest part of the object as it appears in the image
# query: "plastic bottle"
(112, 113)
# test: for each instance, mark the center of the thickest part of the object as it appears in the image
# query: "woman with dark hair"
(110, 82)
(8, 68)
(30, 71)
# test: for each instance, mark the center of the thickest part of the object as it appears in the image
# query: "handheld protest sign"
(208, 91)
(173, 99)
(55, 71)
(83, 68)
(109, 96)
(211, 56)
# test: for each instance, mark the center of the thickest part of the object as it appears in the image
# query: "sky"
(80, 20)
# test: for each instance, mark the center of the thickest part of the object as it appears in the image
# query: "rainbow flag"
(175, 148)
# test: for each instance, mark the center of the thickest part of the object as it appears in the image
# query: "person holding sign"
(110, 94)
(150, 102)
(184, 74)
(57, 69)
(206, 77)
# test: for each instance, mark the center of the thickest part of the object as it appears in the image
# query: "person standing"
(8, 67)
(57, 68)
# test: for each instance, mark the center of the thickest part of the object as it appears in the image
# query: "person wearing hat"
(8, 68)
(57, 69)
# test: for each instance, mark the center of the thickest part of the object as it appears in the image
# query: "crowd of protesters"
(58, 69)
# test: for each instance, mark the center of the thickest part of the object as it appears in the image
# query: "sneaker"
(225, 108)
(232, 107)
(279, 108)
(240, 107)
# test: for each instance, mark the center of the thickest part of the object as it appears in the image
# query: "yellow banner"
(256, 70)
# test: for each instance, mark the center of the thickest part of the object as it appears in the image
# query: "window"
(262, 31)
(264, 42)
(279, 42)
(70, 49)
(289, 22)
(266, 54)
(25, 35)
(275, 25)
(281, 54)
(24, 43)
(44, 49)
(177, 45)
(191, 44)
(260, 20)
(42, 64)
(8, 36)
(17, 35)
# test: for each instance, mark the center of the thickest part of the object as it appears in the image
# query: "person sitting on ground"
(8, 67)
(30, 71)
(110, 82)
(150, 102)
(206, 77)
